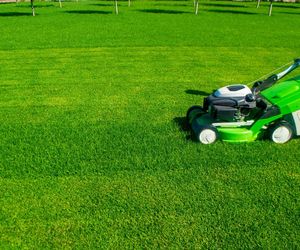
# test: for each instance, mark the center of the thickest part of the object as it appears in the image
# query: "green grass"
(93, 153)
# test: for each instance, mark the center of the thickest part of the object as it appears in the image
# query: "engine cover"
(237, 90)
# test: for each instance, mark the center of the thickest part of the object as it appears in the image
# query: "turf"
(94, 151)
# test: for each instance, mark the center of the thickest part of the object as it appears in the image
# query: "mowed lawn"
(94, 151)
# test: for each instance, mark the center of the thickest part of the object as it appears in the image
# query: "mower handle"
(295, 65)
(262, 85)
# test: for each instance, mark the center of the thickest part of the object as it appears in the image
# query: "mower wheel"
(196, 110)
(207, 134)
(281, 132)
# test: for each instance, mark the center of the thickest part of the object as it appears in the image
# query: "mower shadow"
(183, 126)
(182, 123)
(196, 92)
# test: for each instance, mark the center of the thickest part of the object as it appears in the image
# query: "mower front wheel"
(281, 132)
(194, 111)
(207, 134)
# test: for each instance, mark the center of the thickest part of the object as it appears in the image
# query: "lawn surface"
(93, 147)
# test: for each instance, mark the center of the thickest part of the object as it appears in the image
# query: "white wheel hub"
(207, 136)
(281, 134)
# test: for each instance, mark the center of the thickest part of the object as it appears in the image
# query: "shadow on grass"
(224, 5)
(289, 13)
(288, 6)
(196, 92)
(182, 123)
(172, 4)
(15, 14)
(183, 126)
(36, 6)
(232, 12)
(102, 4)
(42, 5)
(159, 11)
(87, 12)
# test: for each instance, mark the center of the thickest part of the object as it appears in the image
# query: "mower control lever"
(262, 85)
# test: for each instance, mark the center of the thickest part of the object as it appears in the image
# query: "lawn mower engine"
(230, 104)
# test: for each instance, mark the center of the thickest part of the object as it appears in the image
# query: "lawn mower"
(236, 113)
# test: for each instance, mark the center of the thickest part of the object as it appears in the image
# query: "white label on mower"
(233, 124)
(296, 116)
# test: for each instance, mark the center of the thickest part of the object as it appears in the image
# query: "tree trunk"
(258, 2)
(129, 3)
(116, 6)
(196, 7)
(32, 8)
(60, 5)
(270, 9)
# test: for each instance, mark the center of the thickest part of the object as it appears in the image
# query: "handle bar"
(262, 85)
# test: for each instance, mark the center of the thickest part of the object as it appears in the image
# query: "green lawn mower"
(236, 113)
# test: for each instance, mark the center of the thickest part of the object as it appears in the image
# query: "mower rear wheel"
(281, 132)
(207, 134)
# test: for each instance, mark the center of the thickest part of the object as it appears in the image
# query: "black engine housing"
(228, 109)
